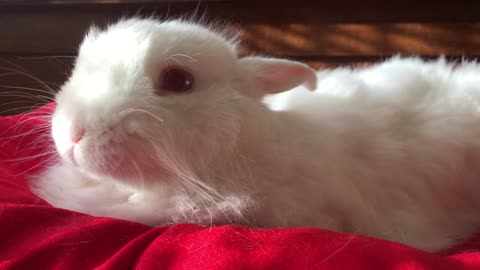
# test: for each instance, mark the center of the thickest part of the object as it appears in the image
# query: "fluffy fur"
(390, 151)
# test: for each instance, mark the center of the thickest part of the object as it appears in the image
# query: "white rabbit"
(162, 122)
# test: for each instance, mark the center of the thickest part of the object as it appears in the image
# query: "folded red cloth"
(35, 235)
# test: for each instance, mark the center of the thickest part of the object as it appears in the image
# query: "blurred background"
(39, 38)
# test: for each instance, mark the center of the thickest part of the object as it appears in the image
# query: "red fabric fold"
(35, 235)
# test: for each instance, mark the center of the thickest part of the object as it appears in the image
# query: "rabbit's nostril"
(77, 135)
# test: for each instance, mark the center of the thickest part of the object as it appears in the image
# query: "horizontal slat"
(61, 34)
(262, 11)
(302, 28)
(91, 2)
(364, 39)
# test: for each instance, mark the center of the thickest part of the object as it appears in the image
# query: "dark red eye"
(176, 80)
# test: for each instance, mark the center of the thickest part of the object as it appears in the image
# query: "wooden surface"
(41, 36)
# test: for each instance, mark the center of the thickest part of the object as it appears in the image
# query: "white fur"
(389, 151)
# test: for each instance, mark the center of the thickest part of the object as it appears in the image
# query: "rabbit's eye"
(177, 80)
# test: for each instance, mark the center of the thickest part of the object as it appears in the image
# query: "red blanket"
(34, 235)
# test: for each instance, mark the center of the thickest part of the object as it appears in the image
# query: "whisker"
(204, 193)
(46, 57)
(27, 88)
(22, 136)
(138, 171)
(190, 58)
(23, 119)
(37, 165)
(24, 95)
(29, 157)
(44, 139)
(147, 112)
(7, 74)
(22, 71)
(174, 59)
(29, 76)
(350, 239)
(16, 108)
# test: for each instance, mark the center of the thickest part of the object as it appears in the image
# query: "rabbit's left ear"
(272, 76)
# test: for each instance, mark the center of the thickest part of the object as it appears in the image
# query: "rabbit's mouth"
(125, 162)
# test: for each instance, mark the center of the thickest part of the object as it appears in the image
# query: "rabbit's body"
(390, 151)
(395, 154)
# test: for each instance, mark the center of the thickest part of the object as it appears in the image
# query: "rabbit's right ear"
(271, 75)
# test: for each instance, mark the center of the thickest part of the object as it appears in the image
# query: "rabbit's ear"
(273, 76)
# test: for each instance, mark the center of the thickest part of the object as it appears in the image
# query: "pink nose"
(77, 135)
